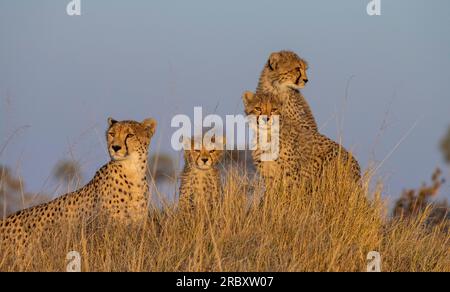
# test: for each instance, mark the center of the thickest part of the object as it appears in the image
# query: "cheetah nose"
(305, 80)
(205, 160)
(116, 148)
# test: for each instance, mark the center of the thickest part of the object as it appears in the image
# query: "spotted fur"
(284, 75)
(118, 190)
(200, 181)
(304, 154)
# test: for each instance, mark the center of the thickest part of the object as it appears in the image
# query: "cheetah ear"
(248, 97)
(150, 124)
(188, 146)
(274, 61)
(188, 143)
(111, 121)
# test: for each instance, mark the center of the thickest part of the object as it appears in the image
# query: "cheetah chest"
(125, 195)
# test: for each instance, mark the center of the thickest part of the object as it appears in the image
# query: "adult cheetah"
(284, 74)
(118, 190)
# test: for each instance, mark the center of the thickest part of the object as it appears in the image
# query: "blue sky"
(63, 76)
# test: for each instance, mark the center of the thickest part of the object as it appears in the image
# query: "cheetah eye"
(130, 136)
(111, 135)
(212, 151)
(258, 109)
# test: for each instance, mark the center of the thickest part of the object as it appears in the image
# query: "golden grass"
(332, 228)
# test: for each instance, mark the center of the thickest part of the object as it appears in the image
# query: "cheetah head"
(263, 106)
(204, 155)
(128, 139)
(287, 70)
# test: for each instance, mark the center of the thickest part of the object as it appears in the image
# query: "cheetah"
(200, 180)
(303, 153)
(284, 74)
(118, 190)
(284, 168)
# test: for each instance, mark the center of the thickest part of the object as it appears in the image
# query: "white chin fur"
(116, 157)
(297, 87)
(203, 167)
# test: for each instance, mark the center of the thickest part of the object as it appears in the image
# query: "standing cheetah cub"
(119, 189)
(200, 181)
(284, 75)
(303, 153)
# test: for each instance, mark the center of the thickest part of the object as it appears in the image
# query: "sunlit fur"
(284, 74)
(200, 180)
(285, 169)
(207, 156)
(304, 153)
(118, 190)
(129, 137)
(287, 69)
(262, 106)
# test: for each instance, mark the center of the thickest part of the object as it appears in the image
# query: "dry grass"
(332, 228)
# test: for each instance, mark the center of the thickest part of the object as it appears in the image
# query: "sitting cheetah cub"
(284, 75)
(303, 153)
(119, 189)
(272, 137)
(200, 180)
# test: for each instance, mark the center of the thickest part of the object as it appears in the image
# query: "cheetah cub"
(284, 75)
(303, 153)
(272, 134)
(200, 180)
(118, 190)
